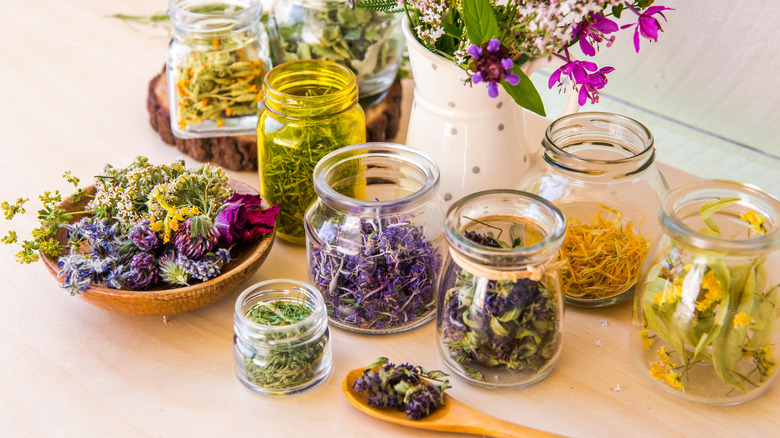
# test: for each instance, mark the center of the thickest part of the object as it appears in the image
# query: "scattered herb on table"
(384, 281)
(144, 225)
(730, 324)
(281, 362)
(602, 258)
(402, 387)
(515, 326)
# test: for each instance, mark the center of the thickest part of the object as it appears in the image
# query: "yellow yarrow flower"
(714, 291)
(741, 318)
(647, 342)
(755, 220)
(670, 295)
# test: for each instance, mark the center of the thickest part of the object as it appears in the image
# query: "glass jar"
(500, 315)
(598, 169)
(281, 344)
(369, 43)
(374, 237)
(706, 320)
(310, 109)
(217, 59)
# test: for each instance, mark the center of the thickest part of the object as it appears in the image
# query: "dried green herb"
(277, 364)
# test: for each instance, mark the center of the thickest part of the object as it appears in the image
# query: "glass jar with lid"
(217, 58)
(707, 310)
(281, 344)
(310, 109)
(374, 237)
(598, 168)
(500, 317)
(370, 43)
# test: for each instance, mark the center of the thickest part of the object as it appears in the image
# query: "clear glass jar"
(310, 109)
(369, 43)
(706, 322)
(217, 58)
(598, 168)
(281, 344)
(374, 237)
(500, 317)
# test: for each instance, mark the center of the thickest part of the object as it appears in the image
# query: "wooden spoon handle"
(477, 422)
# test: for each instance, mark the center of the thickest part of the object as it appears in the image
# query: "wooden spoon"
(454, 416)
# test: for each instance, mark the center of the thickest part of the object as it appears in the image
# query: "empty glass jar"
(217, 58)
(706, 320)
(500, 317)
(374, 236)
(369, 43)
(281, 344)
(598, 168)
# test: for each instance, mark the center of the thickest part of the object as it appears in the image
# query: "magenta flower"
(578, 72)
(243, 219)
(595, 82)
(492, 64)
(647, 25)
(592, 30)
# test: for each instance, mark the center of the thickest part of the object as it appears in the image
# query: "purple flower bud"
(475, 51)
(507, 64)
(477, 78)
(493, 45)
(492, 89)
(512, 78)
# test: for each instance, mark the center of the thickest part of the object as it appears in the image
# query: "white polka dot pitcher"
(478, 142)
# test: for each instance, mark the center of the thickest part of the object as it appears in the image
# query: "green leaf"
(480, 20)
(715, 205)
(524, 93)
(617, 10)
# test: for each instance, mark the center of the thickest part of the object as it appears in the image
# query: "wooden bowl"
(245, 260)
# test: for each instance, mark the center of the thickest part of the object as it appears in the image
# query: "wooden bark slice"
(240, 153)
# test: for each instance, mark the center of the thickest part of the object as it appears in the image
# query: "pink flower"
(647, 25)
(591, 31)
(243, 219)
(578, 72)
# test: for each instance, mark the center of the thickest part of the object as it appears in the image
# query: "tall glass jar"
(281, 344)
(707, 310)
(374, 237)
(598, 168)
(310, 109)
(217, 59)
(500, 317)
(369, 43)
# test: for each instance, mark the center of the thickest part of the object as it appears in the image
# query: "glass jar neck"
(310, 89)
(599, 146)
(343, 177)
(214, 25)
(542, 231)
(744, 208)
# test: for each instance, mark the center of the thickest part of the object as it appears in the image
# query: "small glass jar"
(598, 168)
(281, 344)
(217, 58)
(310, 109)
(706, 322)
(500, 317)
(369, 43)
(374, 236)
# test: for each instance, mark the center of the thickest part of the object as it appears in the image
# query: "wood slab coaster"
(240, 153)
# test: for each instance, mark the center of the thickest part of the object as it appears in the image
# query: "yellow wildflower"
(741, 318)
(670, 295)
(755, 220)
(674, 380)
(647, 342)
(194, 211)
(714, 291)
(155, 225)
(658, 371)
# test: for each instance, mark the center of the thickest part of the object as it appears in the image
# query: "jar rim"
(185, 20)
(552, 240)
(347, 204)
(705, 189)
(557, 155)
(304, 71)
(308, 290)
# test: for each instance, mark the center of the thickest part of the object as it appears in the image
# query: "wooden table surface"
(73, 98)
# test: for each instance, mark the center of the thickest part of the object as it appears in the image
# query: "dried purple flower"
(402, 387)
(143, 237)
(384, 282)
(243, 219)
(143, 271)
(195, 237)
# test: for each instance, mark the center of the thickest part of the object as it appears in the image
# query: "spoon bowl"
(453, 416)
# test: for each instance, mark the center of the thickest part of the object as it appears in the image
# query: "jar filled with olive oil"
(310, 108)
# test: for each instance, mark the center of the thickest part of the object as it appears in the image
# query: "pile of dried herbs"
(729, 325)
(384, 281)
(277, 364)
(365, 41)
(602, 258)
(499, 324)
(402, 387)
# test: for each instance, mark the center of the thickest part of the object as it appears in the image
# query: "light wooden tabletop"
(73, 98)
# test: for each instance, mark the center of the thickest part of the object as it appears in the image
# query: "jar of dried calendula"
(217, 59)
